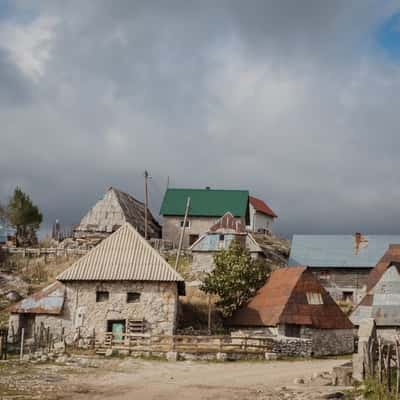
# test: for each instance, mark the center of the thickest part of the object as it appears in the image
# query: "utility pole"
(182, 233)
(146, 202)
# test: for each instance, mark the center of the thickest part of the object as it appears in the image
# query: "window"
(314, 298)
(324, 275)
(132, 297)
(187, 224)
(347, 296)
(102, 296)
(221, 237)
(192, 239)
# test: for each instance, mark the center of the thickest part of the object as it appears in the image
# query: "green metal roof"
(205, 202)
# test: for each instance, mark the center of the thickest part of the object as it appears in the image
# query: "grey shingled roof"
(124, 255)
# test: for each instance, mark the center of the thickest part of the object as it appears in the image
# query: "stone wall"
(292, 347)
(329, 342)
(81, 313)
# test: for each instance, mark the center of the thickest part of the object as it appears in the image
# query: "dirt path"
(145, 380)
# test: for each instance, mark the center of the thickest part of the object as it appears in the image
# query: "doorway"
(117, 327)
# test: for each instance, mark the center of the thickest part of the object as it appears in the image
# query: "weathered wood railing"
(180, 343)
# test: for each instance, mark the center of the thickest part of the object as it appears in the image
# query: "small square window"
(221, 237)
(102, 296)
(132, 297)
(187, 224)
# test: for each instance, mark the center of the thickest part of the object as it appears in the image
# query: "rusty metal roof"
(283, 300)
(124, 255)
(228, 224)
(49, 300)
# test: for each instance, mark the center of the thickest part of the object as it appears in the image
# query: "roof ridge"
(146, 243)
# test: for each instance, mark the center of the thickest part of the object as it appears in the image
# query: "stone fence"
(206, 347)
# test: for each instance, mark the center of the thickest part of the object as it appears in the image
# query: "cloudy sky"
(295, 101)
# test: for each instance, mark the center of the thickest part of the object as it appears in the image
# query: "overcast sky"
(296, 101)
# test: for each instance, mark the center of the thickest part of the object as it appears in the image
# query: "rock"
(109, 353)
(26, 357)
(222, 356)
(299, 381)
(271, 356)
(333, 395)
(172, 356)
(62, 359)
(59, 347)
(44, 358)
(13, 296)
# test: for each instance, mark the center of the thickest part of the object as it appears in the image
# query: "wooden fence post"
(21, 353)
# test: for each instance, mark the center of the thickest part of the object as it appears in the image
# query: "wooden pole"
(182, 233)
(146, 202)
(209, 314)
(21, 353)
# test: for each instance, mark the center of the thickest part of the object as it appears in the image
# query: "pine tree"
(24, 217)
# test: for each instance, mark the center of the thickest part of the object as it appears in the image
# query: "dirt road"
(145, 380)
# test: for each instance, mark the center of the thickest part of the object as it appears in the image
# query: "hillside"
(21, 276)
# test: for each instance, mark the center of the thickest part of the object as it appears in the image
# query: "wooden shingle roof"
(284, 299)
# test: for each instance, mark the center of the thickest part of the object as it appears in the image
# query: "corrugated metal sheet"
(383, 301)
(205, 202)
(124, 255)
(339, 250)
(221, 235)
(283, 300)
(49, 300)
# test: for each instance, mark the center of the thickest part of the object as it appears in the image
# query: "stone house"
(342, 263)
(382, 300)
(261, 216)
(111, 212)
(294, 304)
(121, 285)
(219, 237)
(206, 207)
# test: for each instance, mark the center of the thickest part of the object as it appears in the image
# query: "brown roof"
(391, 257)
(261, 206)
(283, 300)
(124, 255)
(228, 223)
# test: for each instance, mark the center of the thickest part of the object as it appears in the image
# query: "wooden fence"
(382, 362)
(43, 251)
(189, 344)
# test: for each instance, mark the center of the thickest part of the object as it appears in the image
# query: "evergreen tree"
(24, 217)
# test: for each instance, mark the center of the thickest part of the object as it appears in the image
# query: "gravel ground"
(123, 379)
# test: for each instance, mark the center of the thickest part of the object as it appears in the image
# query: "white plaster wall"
(259, 221)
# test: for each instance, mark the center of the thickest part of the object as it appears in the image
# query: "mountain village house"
(111, 212)
(382, 300)
(219, 237)
(341, 262)
(122, 285)
(294, 304)
(261, 216)
(206, 207)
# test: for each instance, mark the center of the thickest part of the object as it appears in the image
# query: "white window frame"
(314, 298)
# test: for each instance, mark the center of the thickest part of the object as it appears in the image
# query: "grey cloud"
(283, 98)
